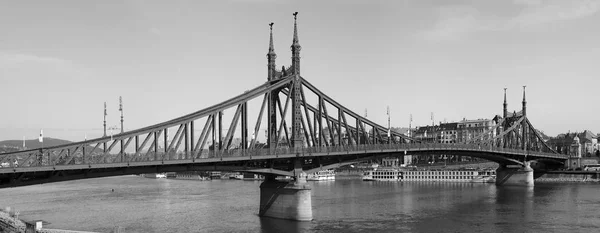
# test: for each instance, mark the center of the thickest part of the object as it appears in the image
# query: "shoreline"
(11, 224)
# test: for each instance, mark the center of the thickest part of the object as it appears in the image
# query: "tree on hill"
(34, 144)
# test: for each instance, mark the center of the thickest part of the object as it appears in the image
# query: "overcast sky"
(60, 60)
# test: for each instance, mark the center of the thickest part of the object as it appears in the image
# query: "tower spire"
(524, 103)
(295, 40)
(505, 112)
(296, 47)
(271, 55)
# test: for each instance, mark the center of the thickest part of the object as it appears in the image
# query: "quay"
(11, 223)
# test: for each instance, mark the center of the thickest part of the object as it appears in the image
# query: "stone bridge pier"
(514, 176)
(286, 199)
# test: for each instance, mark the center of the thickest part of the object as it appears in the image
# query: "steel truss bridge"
(322, 134)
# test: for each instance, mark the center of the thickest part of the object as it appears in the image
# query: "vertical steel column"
(297, 137)
(122, 152)
(220, 130)
(373, 134)
(340, 126)
(524, 134)
(186, 143)
(83, 154)
(156, 145)
(244, 126)
(192, 136)
(137, 143)
(319, 120)
(315, 130)
(272, 120)
(214, 132)
(358, 142)
(166, 136)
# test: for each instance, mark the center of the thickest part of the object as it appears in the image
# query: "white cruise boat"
(466, 176)
(237, 177)
(155, 175)
(328, 174)
(383, 174)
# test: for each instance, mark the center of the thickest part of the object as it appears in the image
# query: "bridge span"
(323, 135)
(261, 161)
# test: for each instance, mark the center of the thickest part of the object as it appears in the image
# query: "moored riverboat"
(466, 176)
(155, 175)
(328, 174)
(383, 174)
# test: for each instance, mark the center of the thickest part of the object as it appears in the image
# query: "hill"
(16, 145)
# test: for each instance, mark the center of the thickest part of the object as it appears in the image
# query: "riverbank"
(567, 178)
(11, 224)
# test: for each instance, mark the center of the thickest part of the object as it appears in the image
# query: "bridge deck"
(283, 153)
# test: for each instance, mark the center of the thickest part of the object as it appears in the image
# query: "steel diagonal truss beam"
(78, 153)
(282, 115)
(349, 112)
(138, 149)
(349, 133)
(364, 132)
(350, 129)
(310, 128)
(232, 127)
(507, 131)
(203, 136)
(328, 124)
(259, 120)
(177, 135)
(539, 137)
(488, 133)
(282, 122)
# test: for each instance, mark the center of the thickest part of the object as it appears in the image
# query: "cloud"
(458, 21)
(454, 23)
(21, 63)
(154, 31)
(20, 58)
(552, 11)
(528, 2)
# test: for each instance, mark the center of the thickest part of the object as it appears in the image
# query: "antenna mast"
(121, 110)
(104, 119)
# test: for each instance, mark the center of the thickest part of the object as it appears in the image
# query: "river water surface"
(162, 205)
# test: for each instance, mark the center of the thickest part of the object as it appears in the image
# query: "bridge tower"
(282, 199)
(504, 115)
(524, 122)
(297, 140)
(522, 176)
(273, 97)
(505, 112)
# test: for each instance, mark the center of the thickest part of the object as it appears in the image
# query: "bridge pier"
(285, 199)
(506, 176)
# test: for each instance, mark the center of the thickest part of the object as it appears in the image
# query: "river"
(163, 205)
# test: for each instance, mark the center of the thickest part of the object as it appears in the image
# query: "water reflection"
(147, 205)
(273, 225)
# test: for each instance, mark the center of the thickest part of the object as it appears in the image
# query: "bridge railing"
(37, 159)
